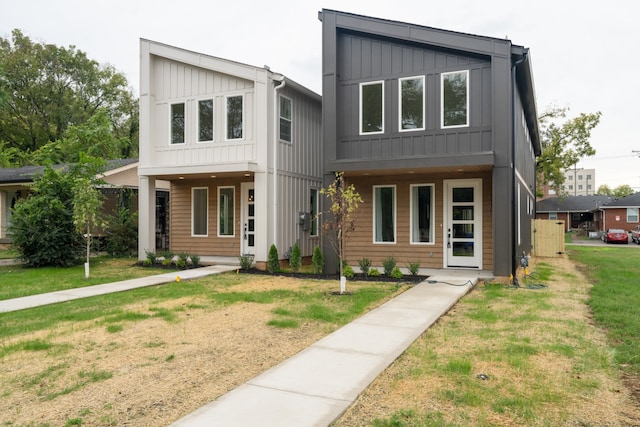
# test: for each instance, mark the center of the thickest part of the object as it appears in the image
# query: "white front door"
(248, 220)
(463, 223)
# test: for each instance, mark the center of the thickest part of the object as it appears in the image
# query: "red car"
(615, 235)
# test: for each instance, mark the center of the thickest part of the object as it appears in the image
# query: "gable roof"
(572, 203)
(27, 174)
(632, 201)
(451, 40)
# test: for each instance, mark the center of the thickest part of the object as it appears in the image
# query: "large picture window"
(412, 104)
(455, 99)
(371, 107)
(226, 211)
(234, 117)
(285, 119)
(384, 214)
(205, 120)
(199, 211)
(177, 123)
(422, 222)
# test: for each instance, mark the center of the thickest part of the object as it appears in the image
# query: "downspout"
(514, 220)
(276, 139)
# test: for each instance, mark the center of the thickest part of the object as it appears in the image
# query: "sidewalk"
(108, 288)
(314, 387)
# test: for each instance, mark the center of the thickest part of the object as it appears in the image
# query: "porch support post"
(146, 216)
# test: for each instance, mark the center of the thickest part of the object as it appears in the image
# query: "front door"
(463, 223)
(248, 219)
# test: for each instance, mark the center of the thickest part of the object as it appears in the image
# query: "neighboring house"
(622, 213)
(577, 212)
(438, 132)
(119, 176)
(241, 147)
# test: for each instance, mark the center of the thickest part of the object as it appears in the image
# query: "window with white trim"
(226, 211)
(313, 212)
(632, 214)
(199, 211)
(411, 103)
(235, 117)
(177, 123)
(205, 120)
(455, 99)
(286, 110)
(553, 216)
(371, 108)
(422, 219)
(384, 214)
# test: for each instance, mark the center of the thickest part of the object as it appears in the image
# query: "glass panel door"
(248, 219)
(463, 238)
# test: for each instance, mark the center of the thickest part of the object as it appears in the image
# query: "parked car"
(615, 235)
(635, 234)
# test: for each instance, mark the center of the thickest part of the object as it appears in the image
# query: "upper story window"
(177, 123)
(285, 118)
(234, 117)
(205, 120)
(579, 177)
(371, 108)
(455, 99)
(412, 103)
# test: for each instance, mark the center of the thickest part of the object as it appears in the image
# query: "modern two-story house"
(438, 132)
(241, 147)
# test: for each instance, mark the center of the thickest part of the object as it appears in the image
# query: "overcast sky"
(580, 50)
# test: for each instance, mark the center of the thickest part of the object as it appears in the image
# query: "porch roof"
(572, 204)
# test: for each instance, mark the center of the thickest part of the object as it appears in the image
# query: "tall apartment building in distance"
(577, 182)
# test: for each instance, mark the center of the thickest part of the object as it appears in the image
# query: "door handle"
(448, 238)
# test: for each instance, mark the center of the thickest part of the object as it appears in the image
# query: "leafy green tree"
(604, 190)
(621, 191)
(564, 143)
(295, 259)
(53, 88)
(273, 262)
(42, 228)
(122, 233)
(344, 200)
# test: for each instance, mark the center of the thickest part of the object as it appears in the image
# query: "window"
(177, 123)
(570, 177)
(384, 214)
(412, 103)
(579, 186)
(226, 211)
(205, 120)
(571, 187)
(422, 214)
(234, 117)
(553, 216)
(588, 177)
(199, 211)
(579, 177)
(313, 210)
(285, 119)
(371, 108)
(455, 99)
(632, 214)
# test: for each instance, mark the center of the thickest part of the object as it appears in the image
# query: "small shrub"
(273, 263)
(374, 272)
(166, 262)
(365, 265)
(347, 271)
(181, 263)
(122, 233)
(147, 263)
(389, 263)
(245, 261)
(183, 257)
(414, 268)
(195, 260)
(317, 260)
(295, 260)
(152, 257)
(168, 255)
(396, 273)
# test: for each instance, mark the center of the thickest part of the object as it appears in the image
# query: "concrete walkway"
(108, 288)
(314, 387)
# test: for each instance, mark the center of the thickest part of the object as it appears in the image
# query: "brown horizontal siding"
(360, 243)
(180, 220)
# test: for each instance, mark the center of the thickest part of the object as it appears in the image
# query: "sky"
(579, 49)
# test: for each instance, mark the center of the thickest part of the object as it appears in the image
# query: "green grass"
(19, 281)
(615, 298)
(7, 254)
